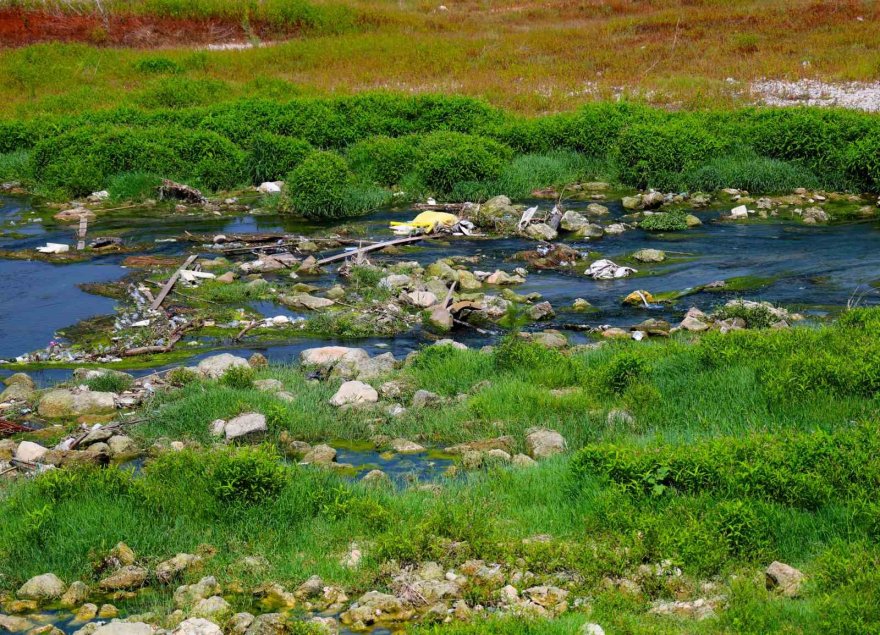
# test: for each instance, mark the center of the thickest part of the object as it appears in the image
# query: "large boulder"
(785, 578)
(30, 451)
(17, 392)
(65, 403)
(20, 379)
(354, 392)
(321, 454)
(197, 626)
(216, 365)
(251, 423)
(541, 231)
(573, 221)
(125, 579)
(542, 443)
(42, 588)
(124, 628)
(326, 357)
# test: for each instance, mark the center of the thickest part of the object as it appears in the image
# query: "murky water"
(814, 268)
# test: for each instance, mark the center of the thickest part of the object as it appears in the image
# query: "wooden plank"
(173, 279)
(357, 253)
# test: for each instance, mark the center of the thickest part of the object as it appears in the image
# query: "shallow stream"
(814, 269)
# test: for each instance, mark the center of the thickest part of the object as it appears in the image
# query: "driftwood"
(243, 331)
(171, 281)
(175, 336)
(441, 207)
(361, 251)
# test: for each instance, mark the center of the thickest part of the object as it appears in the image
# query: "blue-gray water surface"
(814, 268)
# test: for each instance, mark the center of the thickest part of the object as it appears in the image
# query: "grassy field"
(529, 56)
(737, 450)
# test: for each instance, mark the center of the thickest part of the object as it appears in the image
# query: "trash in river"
(607, 270)
(54, 248)
(430, 222)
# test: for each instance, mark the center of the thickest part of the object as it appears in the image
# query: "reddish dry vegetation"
(20, 28)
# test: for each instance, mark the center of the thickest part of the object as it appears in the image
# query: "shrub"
(272, 156)
(383, 160)
(133, 186)
(182, 376)
(664, 222)
(323, 187)
(248, 476)
(449, 159)
(622, 371)
(157, 66)
(181, 92)
(863, 162)
(654, 154)
(754, 174)
(239, 377)
(110, 382)
(15, 165)
(756, 316)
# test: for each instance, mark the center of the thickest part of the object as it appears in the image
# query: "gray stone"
(321, 454)
(326, 357)
(169, 569)
(425, 398)
(214, 608)
(542, 443)
(125, 579)
(121, 445)
(572, 221)
(47, 586)
(650, 255)
(405, 446)
(198, 626)
(17, 392)
(216, 365)
(541, 231)
(785, 578)
(268, 385)
(20, 379)
(189, 594)
(247, 424)
(124, 628)
(354, 392)
(64, 403)
(30, 451)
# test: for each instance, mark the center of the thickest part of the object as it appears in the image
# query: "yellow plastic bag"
(430, 221)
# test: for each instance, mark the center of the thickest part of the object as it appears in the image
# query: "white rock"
(246, 424)
(124, 628)
(216, 365)
(739, 212)
(54, 248)
(197, 626)
(270, 187)
(353, 392)
(30, 451)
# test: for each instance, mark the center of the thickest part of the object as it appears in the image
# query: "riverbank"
(579, 482)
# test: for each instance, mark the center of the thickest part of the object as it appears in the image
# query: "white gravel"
(811, 92)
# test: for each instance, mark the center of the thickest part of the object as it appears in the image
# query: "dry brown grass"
(538, 56)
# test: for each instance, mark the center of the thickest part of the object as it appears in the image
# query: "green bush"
(272, 156)
(157, 66)
(133, 186)
(239, 377)
(110, 382)
(450, 159)
(863, 162)
(182, 92)
(323, 187)
(655, 154)
(622, 371)
(383, 160)
(664, 222)
(248, 476)
(799, 469)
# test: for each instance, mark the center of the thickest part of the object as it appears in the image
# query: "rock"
(239, 623)
(740, 212)
(188, 595)
(365, 369)
(549, 338)
(541, 311)
(692, 221)
(421, 299)
(615, 229)
(549, 597)
(121, 445)
(573, 221)
(698, 609)
(376, 607)
(213, 608)
(440, 318)
(617, 417)
(218, 427)
(815, 215)
(639, 298)
(226, 278)
(216, 365)
(501, 277)
(631, 202)
(169, 569)
(541, 231)
(17, 392)
(354, 392)
(785, 578)
(542, 443)
(395, 282)
(306, 301)
(30, 452)
(695, 321)
(258, 360)
(247, 424)
(42, 588)
(86, 613)
(124, 628)
(590, 230)
(326, 357)
(120, 556)
(197, 626)
(15, 624)
(65, 403)
(522, 460)
(653, 326)
(125, 579)
(268, 624)
(650, 255)
(76, 594)
(581, 304)
(268, 385)
(321, 454)
(594, 209)
(107, 612)
(20, 379)
(270, 187)
(425, 399)
(376, 477)
(405, 446)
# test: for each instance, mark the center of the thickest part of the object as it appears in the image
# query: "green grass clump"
(239, 377)
(383, 160)
(451, 159)
(133, 186)
(272, 156)
(110, 382)
(753, 174)
(157, 65)
(664, 222)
